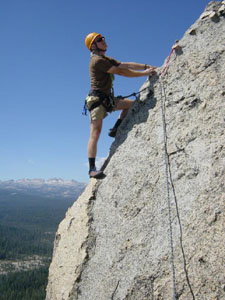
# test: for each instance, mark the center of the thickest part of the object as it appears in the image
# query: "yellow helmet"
(90, 38)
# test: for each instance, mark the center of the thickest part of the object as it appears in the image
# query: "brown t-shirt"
(100, 79)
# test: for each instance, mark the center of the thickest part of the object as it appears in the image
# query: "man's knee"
(124, 104)
(96, 132)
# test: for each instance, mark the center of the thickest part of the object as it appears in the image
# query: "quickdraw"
(135, 94)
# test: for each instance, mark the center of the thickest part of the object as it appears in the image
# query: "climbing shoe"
(97, 174)
(112, 132)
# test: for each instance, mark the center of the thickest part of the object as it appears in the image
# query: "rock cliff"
(143, 233)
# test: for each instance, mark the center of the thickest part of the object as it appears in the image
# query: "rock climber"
(100, 99)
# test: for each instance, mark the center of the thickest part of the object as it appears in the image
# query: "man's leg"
(95, 131)
(123, 105)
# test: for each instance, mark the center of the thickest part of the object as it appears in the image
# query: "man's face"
(100, 42)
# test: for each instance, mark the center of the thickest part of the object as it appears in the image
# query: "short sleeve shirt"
(100, 79)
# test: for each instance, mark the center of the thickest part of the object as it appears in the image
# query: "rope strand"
(169, 176)
(167, 192)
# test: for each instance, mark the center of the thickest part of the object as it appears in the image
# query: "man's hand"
(149, 67)
(149, 70)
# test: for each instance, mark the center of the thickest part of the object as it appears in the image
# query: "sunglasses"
(100, 39)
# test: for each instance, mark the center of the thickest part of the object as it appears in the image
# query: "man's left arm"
(135, 66)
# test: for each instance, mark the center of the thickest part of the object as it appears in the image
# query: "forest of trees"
(29, 285)
(27, 228)
(17, 243)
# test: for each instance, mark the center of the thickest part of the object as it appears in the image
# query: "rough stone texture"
(114, 242)
(71, 241)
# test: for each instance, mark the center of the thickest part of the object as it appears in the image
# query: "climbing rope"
(167, 63)
(169, 177)
(167, 189)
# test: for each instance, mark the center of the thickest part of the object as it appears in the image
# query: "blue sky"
(44, 75)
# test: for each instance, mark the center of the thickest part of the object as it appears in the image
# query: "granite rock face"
(115, 241)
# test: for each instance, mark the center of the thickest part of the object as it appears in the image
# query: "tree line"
(16, 243)
(28, 285)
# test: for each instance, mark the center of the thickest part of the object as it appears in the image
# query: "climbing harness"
(169, 178)
(103, 99)
(108, 100)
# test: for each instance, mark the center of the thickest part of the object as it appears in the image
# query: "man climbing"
(101, 99)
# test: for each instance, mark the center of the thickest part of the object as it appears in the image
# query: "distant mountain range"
(52, 188)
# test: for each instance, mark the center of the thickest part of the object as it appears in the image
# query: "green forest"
(27, 228)
(29, 285)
